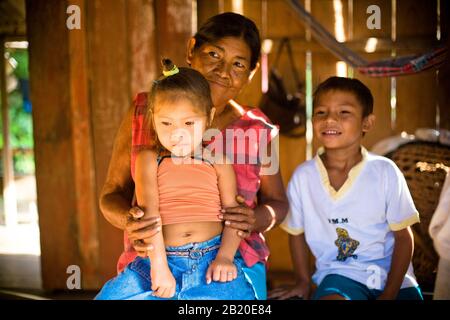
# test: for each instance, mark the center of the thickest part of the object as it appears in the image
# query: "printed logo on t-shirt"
(346, 245)
(338, 220)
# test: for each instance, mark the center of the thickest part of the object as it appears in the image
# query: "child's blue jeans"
(188, 264)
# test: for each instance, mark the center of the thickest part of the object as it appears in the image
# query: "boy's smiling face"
(338, 120)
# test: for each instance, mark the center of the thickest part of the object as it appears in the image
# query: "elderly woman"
(226, 50)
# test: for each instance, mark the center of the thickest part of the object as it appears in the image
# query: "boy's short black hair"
(361, 92)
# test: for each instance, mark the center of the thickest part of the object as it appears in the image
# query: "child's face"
(338, 120)
(179, 125)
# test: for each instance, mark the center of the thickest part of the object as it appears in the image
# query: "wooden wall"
(416, 94)
(82, 83)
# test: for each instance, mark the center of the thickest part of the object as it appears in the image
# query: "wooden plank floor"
(20, 279)
(21, 271)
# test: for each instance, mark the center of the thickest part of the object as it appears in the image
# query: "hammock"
(382, 68)
(405, 65)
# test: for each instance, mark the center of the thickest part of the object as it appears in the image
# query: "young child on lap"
(195, 256)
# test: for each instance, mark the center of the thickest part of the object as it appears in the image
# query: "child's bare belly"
(182, 233)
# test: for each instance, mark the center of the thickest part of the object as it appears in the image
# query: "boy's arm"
(223, 268)
(401, 257)
(147, 197)
(300, 259)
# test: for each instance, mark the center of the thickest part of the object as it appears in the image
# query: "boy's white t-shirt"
(349, 231)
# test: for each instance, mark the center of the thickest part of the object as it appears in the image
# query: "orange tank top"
(188, 192)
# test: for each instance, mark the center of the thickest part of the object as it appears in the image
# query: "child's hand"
(163, 282)
(221, 269)
(301, 290)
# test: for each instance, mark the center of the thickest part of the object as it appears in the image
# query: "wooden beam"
(143, 64)
(419, 44)
(206, 9)
(50, 95)
(63, 145)
(110, 98)
(125, 42)
(83, 153)
(9, 189)
(173, 25)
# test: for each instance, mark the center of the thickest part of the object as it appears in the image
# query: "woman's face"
(225, 64)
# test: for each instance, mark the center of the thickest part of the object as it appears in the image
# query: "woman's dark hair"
(230, 24)
(361, 92)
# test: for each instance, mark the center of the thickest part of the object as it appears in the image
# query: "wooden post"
(67, 201)
(173, 25)
(126, 40)
(110, 98)
(83, 152)
(143, 64)
(9, 189)
(82, 83)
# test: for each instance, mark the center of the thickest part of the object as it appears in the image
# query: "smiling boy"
(351, 208)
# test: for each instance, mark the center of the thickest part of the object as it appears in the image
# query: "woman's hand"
(241, 217)
(299, 290)
(140, 230)
(221, 269)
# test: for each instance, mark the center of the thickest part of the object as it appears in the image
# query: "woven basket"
(425, 184)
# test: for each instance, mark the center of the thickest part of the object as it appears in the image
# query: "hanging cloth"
(382, 68)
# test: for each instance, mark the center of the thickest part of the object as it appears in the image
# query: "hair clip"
(171, 72)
